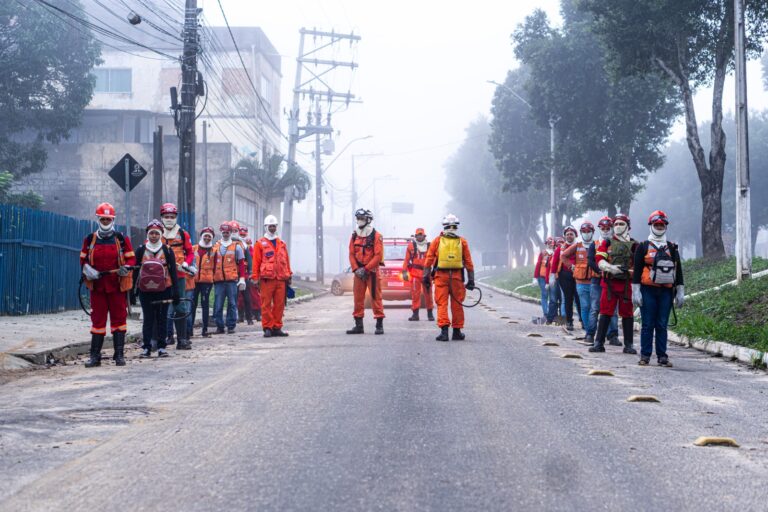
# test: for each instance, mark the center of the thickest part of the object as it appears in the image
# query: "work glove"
(405, 275)
(637, 296)
(241, 284)
(361, 273)
(189, 269)
(608, 268)
(426, 280)
(535, 282)
(124, 271)
(470, 280)
(679, 296)
(90, 273)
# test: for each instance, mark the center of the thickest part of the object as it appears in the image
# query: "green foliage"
(25, 199)
(45, 84)
(734, 314)
(268, 179)
(520, 276)
(701, 274)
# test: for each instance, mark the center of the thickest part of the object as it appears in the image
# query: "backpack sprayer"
(84, 294)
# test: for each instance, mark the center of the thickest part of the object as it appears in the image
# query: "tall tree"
(45, 83)
(610, 132)
(690, 44)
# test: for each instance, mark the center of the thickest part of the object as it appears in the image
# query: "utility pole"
(552, 122)
(320, 272)
(320, 67)
(743, 214)
(157, 171)
(205, 173)
(186, 117)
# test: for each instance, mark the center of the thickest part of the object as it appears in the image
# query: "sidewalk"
(40, 339)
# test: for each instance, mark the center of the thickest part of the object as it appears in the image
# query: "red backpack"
(153, 274)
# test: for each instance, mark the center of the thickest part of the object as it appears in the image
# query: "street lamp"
(552, 122)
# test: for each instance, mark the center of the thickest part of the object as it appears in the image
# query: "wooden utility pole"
(157, 172)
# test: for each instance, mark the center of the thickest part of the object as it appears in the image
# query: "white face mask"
(450, 231)
(605, 235)
(587, 237)
(206, 242)
(361, 223)
(169, 223)
(620, 229)
(106, 228)
(658, 231)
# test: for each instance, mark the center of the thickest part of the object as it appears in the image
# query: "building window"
(112, 80)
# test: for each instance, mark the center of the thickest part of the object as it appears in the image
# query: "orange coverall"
(414, 264)
(272, 270)
(364, 254)
(449, 283)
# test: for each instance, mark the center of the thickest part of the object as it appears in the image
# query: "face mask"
(605, 235)
(206, 242)
(587, 237)
(619, 229)
(658, 231)
(169, 223)
(450, 231)
(361, 223)
(106, 228)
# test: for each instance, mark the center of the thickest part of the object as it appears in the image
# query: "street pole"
(186, 189)
(320, 272)
(205, 173)
(157, 172)
(127, 197)
(552, 123)
(743, 214)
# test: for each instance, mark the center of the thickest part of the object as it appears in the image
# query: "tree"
(45, 84)
(25, 199)
(268, 179)
(690, 44)
(610, 132)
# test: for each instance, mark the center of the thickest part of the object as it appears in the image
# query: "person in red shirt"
(565, 262)
(413, 269)
(272, 274)
(555, 292)
(106, 260)
(541, 272)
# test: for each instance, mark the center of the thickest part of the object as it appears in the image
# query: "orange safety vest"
(204, 266)
(582, 272)
(650, 255)
(161, 257)
(545, 257)
(363, 247)
(226, 270)
(177, 246)
(274, 260)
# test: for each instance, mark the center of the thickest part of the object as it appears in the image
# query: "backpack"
(663, 269)
(449, 253)
(622, 256)
(153, 273)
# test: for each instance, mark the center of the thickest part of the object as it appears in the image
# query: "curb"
(518, 296)
(745, 355)
(77, 349)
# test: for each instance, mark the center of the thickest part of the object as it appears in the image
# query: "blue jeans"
(657, 305)
(594, 311)
(554, 298)
(544, 294)
(584, 291)
(221, 291)
(201, 294)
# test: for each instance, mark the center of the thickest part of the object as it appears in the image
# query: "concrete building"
(132, 98)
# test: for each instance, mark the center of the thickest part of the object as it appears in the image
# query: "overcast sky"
(422, 77)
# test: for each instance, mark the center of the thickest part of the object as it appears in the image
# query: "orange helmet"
(105, 210)
(420, 231)
(658, 217)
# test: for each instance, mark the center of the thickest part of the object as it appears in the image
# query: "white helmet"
(270, 220)
(450, 220)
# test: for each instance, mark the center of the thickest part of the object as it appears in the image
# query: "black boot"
(97, 341)
(415, 316)
(443, 334)
(457, 334)
(379, 326)
(603, 322)
(183, 342)
(430, 316)
(358, 328)
(267, 333)
(279, 332)
(118, 341)
(627, 327)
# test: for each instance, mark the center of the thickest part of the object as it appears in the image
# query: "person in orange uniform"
(179, 241)
(272, 274)
(203, 280)
(106, 260)
(413, 269)
(366, 252)
(449, 255)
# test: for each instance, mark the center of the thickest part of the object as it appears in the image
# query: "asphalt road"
(326, 421)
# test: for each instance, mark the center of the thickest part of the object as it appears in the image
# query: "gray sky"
(422, 76)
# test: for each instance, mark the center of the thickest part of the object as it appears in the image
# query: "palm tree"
(268, 179)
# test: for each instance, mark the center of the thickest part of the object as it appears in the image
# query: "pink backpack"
(152, 274)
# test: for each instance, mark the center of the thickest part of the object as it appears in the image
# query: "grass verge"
(514, 278)
(702, 274)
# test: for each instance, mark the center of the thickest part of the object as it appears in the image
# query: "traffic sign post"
(127, 173)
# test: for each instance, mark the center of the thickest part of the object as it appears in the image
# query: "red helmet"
(587, 227)
(234, 225)
(248, 241)
(207, 229)
(571, 229)
(105, 210)
(559, 240)
(658, 217)
(168, 208)
(605, 222)
(225, 227)
(155, 224)
(621, 216)
(243, 231)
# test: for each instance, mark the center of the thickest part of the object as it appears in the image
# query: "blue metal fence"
(39, 251)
